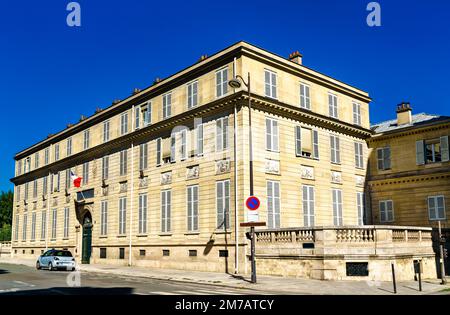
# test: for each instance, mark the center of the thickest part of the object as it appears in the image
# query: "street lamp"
(235, 83)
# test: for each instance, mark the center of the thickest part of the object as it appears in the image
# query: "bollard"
(393, 278)
(420, 274)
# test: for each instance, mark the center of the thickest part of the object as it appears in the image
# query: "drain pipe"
(236, 217)
(132, 189)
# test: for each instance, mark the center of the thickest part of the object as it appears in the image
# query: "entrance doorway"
(87, 239)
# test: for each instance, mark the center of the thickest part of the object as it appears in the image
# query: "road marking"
(24, 283)
(162, 293)
(10, 290)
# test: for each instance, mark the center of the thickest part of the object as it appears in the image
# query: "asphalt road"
(24, 280)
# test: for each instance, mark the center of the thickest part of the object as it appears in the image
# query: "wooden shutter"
(298, 140)
(444, 149)
(315, 144)
(420, 155)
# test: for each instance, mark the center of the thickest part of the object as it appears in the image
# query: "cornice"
(405, 177)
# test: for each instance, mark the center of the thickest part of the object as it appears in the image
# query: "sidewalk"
(265, 285)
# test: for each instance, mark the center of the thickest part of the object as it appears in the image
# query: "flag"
(76, 179)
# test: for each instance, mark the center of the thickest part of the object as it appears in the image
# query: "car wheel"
(50, 267)
(38, 265)
(73, 269)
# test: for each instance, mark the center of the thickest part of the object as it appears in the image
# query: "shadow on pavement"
(3, 271)
(73, 291)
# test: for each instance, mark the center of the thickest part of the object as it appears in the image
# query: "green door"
(87, 241)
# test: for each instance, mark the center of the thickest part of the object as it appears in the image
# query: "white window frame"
(359, 155)
(333, 105)
(305, 96)
(335, 150)
(167, 105)
(222, 137)
(124, 123)
(166, 209)
(309, 204)
(192, 205)
(356, 113)
(123, 162)
(386, 202)
(143, 206)
(272, 135)
(436, 208)
(337, 207)
(122, 215)
(192, 94)
(225, 201)
(270, 83)
(221, 84)
(106, 127)
(104, 218)
(143, 156)
(273, 205)
(382, 159)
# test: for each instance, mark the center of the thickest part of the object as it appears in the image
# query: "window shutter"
(200, 140)
(270, 200)
(387, 158)
(382, 212)
(158, 151)
(275, 135)
(316, 144)
(444, 149)
(420, 156)
(276, 203)
(219, 134)
(220, 207)
(298, 140)
(338, 149)
(172, 147)
(268, 134)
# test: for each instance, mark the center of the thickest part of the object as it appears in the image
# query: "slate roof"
(418, 120)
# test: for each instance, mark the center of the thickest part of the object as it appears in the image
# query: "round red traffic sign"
(252, 203)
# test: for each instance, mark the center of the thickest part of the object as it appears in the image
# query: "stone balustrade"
(5, 248)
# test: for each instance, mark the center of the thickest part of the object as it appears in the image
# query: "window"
(122, 215)
(69, 147)
(123, 162)
(86, 139)
(16, 229)
(58, 181)
(386, 211)
(223, 253)
(222, 82)
(137, 117)
(360, 205)
(68, 179)
(147, 114)
(305, 101)
(104, 218)
(192, 94)
(35, 188)
(158, 152)
(19, 167)
(85, 173)
(54, 223)
(167, 105)
(44, 185)
(332, 105)
(173, 142)
(105, 167)
(46, 156)
(335, 149)
(36, 160)
(223, 204)
(337, 207)
(270, 83)
(17, 193)
(306, 142)
(85, 194)
(192, 208)
(124, 124)
(271, 135)
(432, 151)
(199, 140)
(222, 134)
(192, 253)
(121, 253)
(183, 147)
(33, 226)
(66, 222)
(384, 158)
(103, 252)
(143, 156)
(24, 227)
(43, 224)
(357, 113)
(308, 205)
(106, 131)
(436, 208)
(26, 190)
(142, 214)
(166, 199)
(27, 165)
(359, 162)
(166, 252)
(142, 252)
(273, 204)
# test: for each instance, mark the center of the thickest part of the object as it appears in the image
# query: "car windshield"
(62, 253)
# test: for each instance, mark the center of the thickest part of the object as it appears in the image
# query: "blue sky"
(50, 73)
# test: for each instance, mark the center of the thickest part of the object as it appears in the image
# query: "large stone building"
(166, 170)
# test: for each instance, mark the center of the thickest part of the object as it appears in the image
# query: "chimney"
(404, 113)
(296, 57)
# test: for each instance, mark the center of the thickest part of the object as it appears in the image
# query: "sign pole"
(253, 241)
(441, 254)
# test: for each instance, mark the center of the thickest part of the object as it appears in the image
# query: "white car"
(54, 259)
